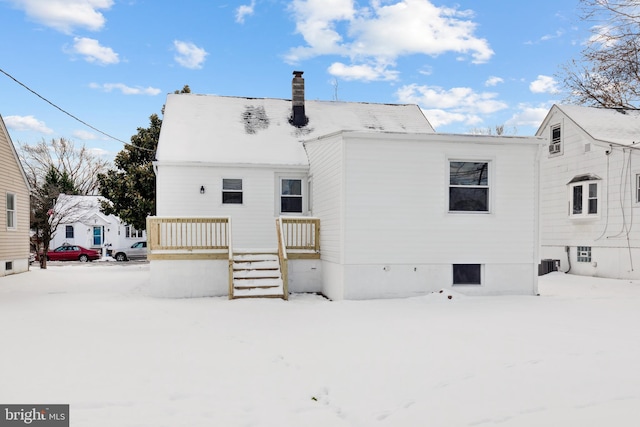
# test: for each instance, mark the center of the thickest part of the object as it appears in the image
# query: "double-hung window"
(11, 210)
(468, 186)
(68, 232)
(583, 196)
(232, 191)
(290, 195)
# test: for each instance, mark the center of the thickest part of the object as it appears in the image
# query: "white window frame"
(555, 143)
(228, 190)
(303, 189)
(130, 232)
(12, 217)
(488, 186)
(586, 197)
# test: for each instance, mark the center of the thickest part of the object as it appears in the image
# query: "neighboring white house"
(88, 227)
(590, 191)
(400, 210)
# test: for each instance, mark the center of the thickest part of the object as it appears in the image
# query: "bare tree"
(608, 72)
(80, 165)
(496, 130)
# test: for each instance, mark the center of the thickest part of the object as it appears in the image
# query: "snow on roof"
(82, 208)
(606, 124)
(219, 129)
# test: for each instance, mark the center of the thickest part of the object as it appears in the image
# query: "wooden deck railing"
(301, 233)
(188, 233)
(283, 259)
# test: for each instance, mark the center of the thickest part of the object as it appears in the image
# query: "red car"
(72, 253)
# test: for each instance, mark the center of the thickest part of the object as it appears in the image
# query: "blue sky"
(469, 64)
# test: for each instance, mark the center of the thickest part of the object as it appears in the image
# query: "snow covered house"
(86, 226)
(590, 191)
(14, 209)
(259, 197)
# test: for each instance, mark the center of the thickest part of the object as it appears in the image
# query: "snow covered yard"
(88, 335)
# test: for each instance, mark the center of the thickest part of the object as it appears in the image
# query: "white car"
(136, 251)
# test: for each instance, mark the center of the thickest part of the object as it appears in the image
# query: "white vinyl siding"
(253, 222)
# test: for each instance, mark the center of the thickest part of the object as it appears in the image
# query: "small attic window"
(555, 146)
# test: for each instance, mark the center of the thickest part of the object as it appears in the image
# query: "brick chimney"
(298, 118)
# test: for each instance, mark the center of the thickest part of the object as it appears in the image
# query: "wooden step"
(259, 293)
(256, 265)
(256, 274)
(256, 283)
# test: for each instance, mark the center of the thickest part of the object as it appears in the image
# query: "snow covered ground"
(88, 336)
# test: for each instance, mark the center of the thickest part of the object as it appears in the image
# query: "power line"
(69, 114)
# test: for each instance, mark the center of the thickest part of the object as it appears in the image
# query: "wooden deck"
(210, 238)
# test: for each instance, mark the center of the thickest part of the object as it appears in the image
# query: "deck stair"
(257, 275)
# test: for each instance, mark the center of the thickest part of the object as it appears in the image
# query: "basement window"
(584, 253)
(232, 191)
(8, 266)
(467, 274)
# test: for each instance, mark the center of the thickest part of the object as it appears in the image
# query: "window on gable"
(11, 210)
(583, 196)
(468, 186)
(131, 233)
(467, 274)
(232, 191)
(68, 232)
(555, 144)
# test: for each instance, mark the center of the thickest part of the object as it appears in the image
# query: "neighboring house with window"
(87, 226)
(14, 209)
(401, 210)
(590, 191)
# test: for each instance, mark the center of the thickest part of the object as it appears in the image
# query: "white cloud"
(93, 52)
(446, 106)
(26, 123)
(245, 10)
(544, 84)
(65, 15)
(84, 135)
(528, 115)
(189, 55)
(362, 72)
(124, 89)
(380, 33)
(493, 81)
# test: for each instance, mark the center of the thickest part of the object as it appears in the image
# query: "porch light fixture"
(202, 189)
